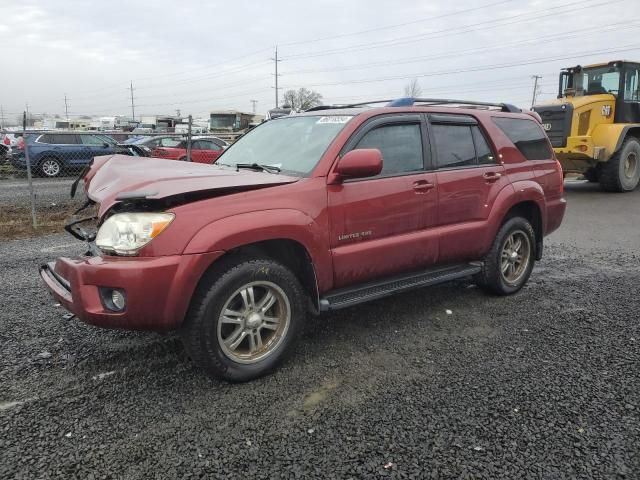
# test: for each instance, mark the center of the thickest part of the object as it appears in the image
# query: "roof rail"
(409, 101)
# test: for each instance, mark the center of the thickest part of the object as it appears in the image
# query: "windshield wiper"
(260, 167)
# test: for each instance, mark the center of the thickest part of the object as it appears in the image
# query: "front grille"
(556, 121)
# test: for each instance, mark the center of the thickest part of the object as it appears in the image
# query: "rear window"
(527, 136)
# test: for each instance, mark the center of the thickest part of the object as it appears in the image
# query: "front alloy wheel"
(253, 322)
(244, 318)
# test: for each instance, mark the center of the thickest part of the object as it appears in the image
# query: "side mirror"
(106, 145)
(360, 163)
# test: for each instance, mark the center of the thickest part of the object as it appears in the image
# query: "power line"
(387, 27)
(572, 34)
(477, 69)
(452, 31)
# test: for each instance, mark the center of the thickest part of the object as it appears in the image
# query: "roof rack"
(410, 101)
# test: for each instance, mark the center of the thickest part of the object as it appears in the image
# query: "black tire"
(491, 278)
(50, 167)
(591, 175)
(622, 172)
(201, 333)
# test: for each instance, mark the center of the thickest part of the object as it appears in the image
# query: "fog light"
(113, 299)
(117, 297)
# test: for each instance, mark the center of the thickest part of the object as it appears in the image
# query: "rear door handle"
(422, 186)
(492, 176)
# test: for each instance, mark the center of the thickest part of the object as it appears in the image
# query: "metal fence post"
(29, 177)
(189, 139)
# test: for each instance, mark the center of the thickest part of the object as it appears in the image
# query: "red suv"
(310, 213)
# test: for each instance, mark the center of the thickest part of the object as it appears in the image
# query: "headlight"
(126, 233)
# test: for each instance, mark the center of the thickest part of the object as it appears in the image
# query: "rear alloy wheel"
(509, 263)
(244, 319)
(622, 172)
(50, 167)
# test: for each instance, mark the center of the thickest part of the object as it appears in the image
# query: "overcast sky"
(198, 56)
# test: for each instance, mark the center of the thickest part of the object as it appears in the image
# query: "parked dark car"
(55, 153)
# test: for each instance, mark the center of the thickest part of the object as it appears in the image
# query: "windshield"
(293, 144)
(593, 81)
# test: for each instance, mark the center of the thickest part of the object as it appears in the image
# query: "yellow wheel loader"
(594, 125)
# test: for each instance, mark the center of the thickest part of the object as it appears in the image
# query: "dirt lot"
(543, 384)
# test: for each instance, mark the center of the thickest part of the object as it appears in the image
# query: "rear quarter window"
(527, 136)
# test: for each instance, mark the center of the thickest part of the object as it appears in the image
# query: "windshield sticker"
(334, 119)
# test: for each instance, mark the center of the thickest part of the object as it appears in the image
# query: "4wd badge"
(606, 110)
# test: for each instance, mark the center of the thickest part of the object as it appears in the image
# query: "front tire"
(622, 172)
(243, 321)
(508, 265)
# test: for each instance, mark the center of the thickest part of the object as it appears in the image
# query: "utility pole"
(253, 104)
(26, 112)
(133, 108)
(1, 117)
(275, 61)
(66, 107)
(535, 89)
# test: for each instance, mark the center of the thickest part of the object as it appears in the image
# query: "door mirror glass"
(360, 163)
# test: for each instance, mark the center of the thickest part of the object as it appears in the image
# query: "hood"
(115, 178)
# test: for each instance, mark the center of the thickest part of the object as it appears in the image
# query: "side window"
(483, 152)
(631, 85)
(169, 142)
(400, 145)
(454, 146)
(527, 136)
(92, 140)
(47, 138)
(63, 139)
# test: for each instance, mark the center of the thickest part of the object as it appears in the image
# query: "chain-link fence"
(38, 168)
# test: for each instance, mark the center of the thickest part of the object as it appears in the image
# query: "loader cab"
(618, 78)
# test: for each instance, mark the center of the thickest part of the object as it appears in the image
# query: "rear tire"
(244, 319)
(622, 172)
(50, 167)
(508, 265)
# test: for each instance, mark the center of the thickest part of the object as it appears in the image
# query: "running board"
(346, 297)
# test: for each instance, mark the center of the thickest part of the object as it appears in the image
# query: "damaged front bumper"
(157, 289)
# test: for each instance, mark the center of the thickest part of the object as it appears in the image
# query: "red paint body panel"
(197, 155)
(353, 230)
(158, 290)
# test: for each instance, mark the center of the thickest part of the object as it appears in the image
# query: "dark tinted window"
(484, 153)
(400, 145)
(205, 145)
(527, 136)
(92, 140)
(454, 146)
(57, 139)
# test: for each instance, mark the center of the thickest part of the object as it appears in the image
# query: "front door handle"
(422, 186)
(492, 176)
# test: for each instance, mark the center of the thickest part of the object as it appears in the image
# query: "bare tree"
(301, 99)
(413, 89)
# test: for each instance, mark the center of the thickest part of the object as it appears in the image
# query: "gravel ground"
(46, 191)
(543, 384)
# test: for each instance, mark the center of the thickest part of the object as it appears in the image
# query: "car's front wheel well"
(287, 252)
(531, 212)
